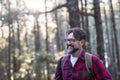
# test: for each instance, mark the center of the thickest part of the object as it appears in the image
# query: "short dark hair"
(78, 33)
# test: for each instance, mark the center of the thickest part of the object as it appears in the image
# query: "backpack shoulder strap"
(88, 62)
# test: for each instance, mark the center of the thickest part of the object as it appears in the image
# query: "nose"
(69, 42)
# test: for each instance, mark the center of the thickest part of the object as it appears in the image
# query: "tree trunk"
(47, 45)
(115, 35)
(18, 35)
(74, 16)
(13, 46)
(16, 64)
(36, 33)
(99, 30)
(37, 48)
(9, 49)
(59, 31)
(87, 29)
(26, 41)
(109, 47)
(9, 55)
(82, 16)
(119, 9)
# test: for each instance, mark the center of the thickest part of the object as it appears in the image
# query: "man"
(74, 67)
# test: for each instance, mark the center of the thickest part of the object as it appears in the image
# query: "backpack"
(88, 63)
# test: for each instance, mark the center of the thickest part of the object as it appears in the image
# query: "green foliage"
(3, 63)
(8, 18)
(43, 56)
(26, 64)
(30, 62)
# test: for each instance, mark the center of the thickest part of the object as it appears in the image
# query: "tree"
(47, 46)
(10, 42)
(115, 34)
(37, 46)
(99, 31)
(87, 28)
(82, 16)
(74, 16)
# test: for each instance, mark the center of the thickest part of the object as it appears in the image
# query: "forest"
(32, 34)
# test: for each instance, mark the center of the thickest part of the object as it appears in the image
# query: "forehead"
(70, 35)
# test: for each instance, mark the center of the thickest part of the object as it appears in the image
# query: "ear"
(82, 42)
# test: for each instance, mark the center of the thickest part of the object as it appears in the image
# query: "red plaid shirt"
(79, 71)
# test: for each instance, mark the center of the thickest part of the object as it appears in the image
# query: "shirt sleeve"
(58, 72)
(99, 69)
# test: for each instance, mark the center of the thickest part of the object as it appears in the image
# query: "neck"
(76, 54)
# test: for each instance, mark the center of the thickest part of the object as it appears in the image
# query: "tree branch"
(84, 13)
(37, 13)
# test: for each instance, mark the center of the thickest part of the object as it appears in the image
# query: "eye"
(70, 40)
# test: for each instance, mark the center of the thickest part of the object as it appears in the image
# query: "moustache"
(70, 45)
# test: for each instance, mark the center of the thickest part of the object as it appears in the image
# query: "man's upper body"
(79, 70)
(74, 67)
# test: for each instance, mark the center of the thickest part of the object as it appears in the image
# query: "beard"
(71, 50)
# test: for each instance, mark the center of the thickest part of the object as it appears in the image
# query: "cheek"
(78, 45)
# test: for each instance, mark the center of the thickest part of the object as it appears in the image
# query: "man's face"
(72, 44)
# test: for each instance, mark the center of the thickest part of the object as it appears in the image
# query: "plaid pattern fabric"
(79, 71)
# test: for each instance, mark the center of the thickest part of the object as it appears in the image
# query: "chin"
(71, 51)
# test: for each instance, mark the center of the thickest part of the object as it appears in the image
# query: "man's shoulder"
(96, 59)
(63, 57)
(94, 56)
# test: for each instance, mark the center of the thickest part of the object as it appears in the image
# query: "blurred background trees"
(32, 34)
